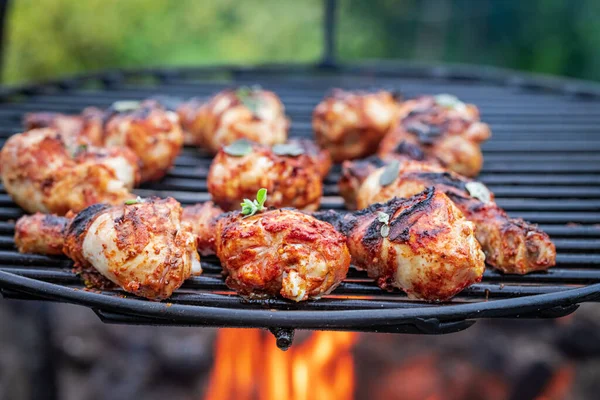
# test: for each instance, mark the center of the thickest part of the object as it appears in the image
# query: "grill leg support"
(283, 336)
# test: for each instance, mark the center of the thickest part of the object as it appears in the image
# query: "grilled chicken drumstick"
(439, 129)
(291, 176)
(142, 246)
(44, 170)
(511, 245)
(246, 113)
(41, 234)
(45, 233)
(192, 121)
(422, 245)
(320, 157)
(202, 220)
(150, 130)
(85, 128)
(281, 252)
(351, 124)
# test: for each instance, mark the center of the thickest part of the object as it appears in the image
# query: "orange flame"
(248, 365)
(560, 384)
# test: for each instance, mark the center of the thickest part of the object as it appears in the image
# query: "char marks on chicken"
(439, 130)
(511, 245)
(291, 180)
(351, 124)
(143, 246)
(428, 248)
(47, 171)
(281, 252)
(247, 113)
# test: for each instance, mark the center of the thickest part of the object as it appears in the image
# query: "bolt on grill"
(543, 164)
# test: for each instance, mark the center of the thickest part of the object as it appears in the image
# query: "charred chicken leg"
(511, 245)
(44, 170)
(202, 220)
(281, 252)
(351, 124)
(438, 129)
(292, 177)
(422, 245)
(141, 246)
(85, 128)
(249, 113)
(152, 132)
(148, 129)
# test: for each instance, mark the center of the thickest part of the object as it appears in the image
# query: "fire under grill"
(543, 164)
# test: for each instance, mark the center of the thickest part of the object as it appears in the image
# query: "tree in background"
(47, 38)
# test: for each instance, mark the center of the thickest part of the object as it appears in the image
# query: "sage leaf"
(126, 105)
(288, 149)
(390, 173)
(239, 148)
(479, 191)
(385, 231)
(248, 97)
(447, 100)
(383, 217)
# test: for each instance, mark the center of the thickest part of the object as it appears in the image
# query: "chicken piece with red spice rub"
(44, 170)
(151, 131)
(85, 128)
(281, 252)
(192, 121)
(141, 246)
(291, 176)
(41, 234)
(351, 124)
(422, 245)
(511, 245)
(202, 220)
(440, 130)
(320, 157)
(249, 113)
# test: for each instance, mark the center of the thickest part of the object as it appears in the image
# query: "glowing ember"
(248, 365)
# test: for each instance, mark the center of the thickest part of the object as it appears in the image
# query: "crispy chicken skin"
(246, 113)
(144, 247)
(281, 252)
(447, 132)
(511, 245)
(430, 253)
(152, 132)
(353, 175)
(45, 171)
(186, 112)
(85, 128)
(41, 234)
(149, 129)
(291, 181)
(191, 120)
(45, 233)
(351, 124)
(202, 219)
(320, 157)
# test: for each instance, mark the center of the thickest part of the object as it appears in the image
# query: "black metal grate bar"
(543, 164)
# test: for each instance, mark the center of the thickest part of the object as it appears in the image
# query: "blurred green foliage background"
(48, 38)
